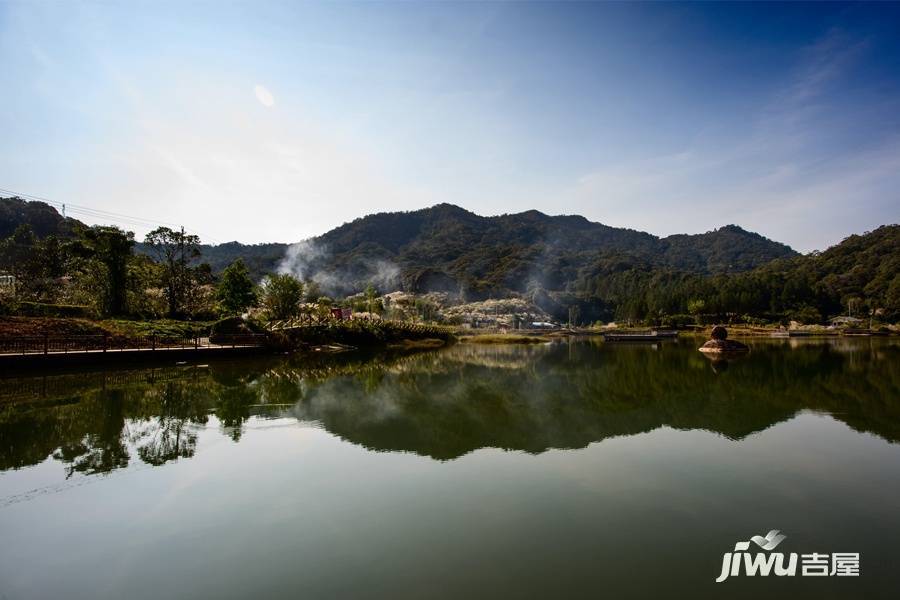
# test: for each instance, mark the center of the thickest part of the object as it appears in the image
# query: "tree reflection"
(233, 409)
(569, 395)
(101, 450)
(446, 403)
(172, 434)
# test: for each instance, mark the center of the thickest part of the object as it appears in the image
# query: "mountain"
(448, 248)
(861, 274)
(566, 263)
(261, 259)
(43, 218)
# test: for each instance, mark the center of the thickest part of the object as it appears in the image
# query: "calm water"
(565, 470)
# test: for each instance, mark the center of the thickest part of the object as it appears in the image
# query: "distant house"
(845, 320)
(7, 281)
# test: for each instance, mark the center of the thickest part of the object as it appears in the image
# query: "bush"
(163, 327)
(710, 319)
(365, 333)
(754, 321)
(71, 311)
(678, 321)
(233, 326)
(806, 315)
(8, 306)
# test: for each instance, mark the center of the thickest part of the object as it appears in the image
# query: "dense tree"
(236, 290)
(323, 306)
(36, 263)
(426, 309)
(20, 255)
(892, 296)
(176, 251)
(54, 254)
(312, 291)
(370, 294)
(144, 297)
(282, 295)
(107, 251)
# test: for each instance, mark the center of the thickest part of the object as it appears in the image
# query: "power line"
(98, 213)
(105, 215)
(89, 210)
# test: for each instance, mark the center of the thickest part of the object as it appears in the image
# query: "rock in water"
(720, 344)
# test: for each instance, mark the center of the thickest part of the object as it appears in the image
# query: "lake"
(571, 469)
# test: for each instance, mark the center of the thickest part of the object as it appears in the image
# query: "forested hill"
(448, 247)
(261, 259)
(561, 263)
(451, 237)
(860, 275)
(43, 219)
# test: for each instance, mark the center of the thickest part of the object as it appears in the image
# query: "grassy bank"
(364, 334)
(115, 328)
(503, 338)
(350, 333)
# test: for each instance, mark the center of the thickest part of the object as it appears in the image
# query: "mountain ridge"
(566, 263)
(482, 254)
(509, 252)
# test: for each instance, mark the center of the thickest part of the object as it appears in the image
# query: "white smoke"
(299, 259)
(309, 261)
(384, 274)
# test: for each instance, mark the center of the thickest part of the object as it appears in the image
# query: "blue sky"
(270, 121)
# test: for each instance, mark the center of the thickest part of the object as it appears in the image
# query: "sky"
(276, 121)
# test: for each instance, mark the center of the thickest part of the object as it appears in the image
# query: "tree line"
(859, 277)
(96, 271)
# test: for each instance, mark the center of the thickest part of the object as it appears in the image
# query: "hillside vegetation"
(563, 266)
(446, 248)
(861, 275)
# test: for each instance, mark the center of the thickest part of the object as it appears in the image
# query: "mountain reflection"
(447, 403)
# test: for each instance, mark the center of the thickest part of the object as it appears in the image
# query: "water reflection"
(447, 403)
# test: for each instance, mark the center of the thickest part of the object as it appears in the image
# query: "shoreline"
(10, 363)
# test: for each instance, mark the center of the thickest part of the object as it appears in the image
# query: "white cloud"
(264, 96)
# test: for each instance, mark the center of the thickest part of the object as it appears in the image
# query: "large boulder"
(720, 344)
